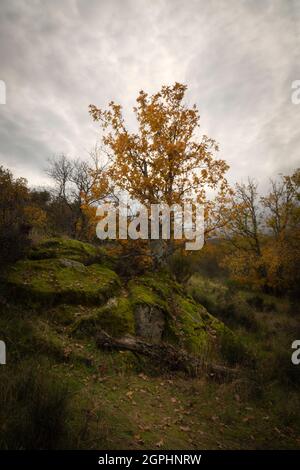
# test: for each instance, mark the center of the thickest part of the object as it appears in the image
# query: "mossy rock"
(116, 318)
(156, 289)
(193, 327)
(187, 323)
(128, 313)
(144, 295)
(65, 248)
(161, 284)
(64, 314)
(51, 281)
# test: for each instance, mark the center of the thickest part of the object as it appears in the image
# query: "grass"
(116, 318)
(35, 411)
(113, 403)
(116, 400)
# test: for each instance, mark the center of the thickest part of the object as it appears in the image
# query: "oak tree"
(163, 161)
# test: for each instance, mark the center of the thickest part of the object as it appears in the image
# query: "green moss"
(161, 284)
(47, 341)
(59, 281)
(64, 248)
(116, 318)
(230, 306)
(50, 281)
(193, 327)
(155, 289)
(233, 350)
(188, 323)
(102, 414)
(141, 294)
(64, 314)
(211, 294)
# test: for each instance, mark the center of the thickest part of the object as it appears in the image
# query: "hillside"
(55, 303)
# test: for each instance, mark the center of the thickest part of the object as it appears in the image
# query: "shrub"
(237, 312)
(181, 267)
(223, 303)
(35, 411)
(14, 243)
(233, 349)
(14, 225)
(284, 370)
(258, 302)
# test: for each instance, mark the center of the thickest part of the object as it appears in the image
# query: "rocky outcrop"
(53, 281)
(150, 322)
(153, 308)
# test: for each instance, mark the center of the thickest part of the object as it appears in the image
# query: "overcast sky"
(238, 58)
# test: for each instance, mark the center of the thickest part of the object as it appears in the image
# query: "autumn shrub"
(14, 225)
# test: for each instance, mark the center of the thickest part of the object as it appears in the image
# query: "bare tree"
(246, 221)
(74, 180)
(60, 170)
(280, 205)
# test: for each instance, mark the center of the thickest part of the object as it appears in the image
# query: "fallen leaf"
(185, 428)
(160, 443)
(143, 376)
(138, 439)
(129, 394)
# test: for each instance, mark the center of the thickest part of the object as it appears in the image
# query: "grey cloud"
(238, 58)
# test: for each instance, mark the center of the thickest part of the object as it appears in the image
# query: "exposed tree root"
(166, 356)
